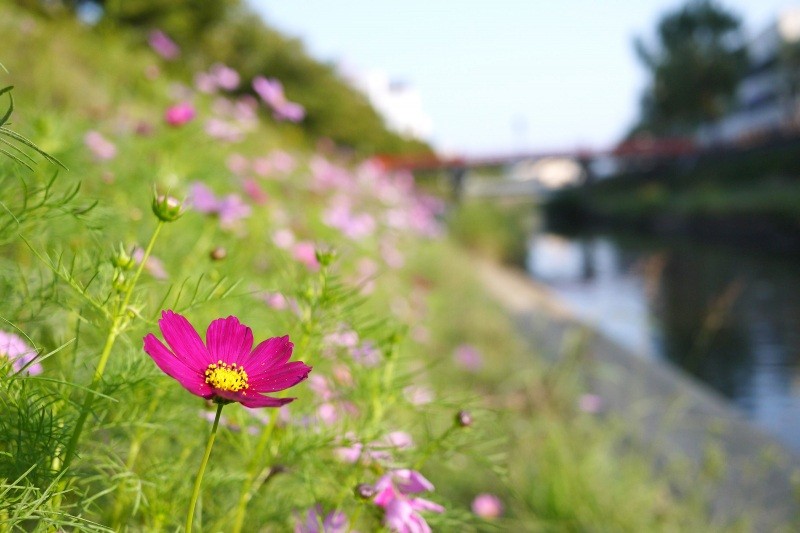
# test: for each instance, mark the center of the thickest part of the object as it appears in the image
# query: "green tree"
(694, 67)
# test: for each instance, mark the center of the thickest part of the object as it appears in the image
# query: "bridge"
(537, 175)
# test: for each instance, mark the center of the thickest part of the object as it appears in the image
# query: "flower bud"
(365, 491)
(463, 419)
(325, 257)
(167, 208)
(218, 254)
(120, 281)
(122, 260)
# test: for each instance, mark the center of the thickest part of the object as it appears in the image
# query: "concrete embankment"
(678, 419)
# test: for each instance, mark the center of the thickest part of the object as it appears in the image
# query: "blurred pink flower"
(418, 395)
(391, 255)
(366, 270)
(367, 354)
(224, 76)
(223, 131)
(327, 176)
(276, 301)
(19, 353)
(283, 238)
(102, 149)
(163, 45)
(202, 199)
(343, 336)
(487, 506)
(271, 91)
(353, 226)
(327, 413)
(401, 509)
(315, 522)
(321, 387)
(282, 161)
(254, 191)
(179, 114)
(590, 403)
(468, 357)
(305, 252)
(153, 265)
(229, 209)
(205, 82)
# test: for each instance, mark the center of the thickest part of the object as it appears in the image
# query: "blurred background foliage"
(230, 32)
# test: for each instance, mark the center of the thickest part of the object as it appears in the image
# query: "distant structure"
(768, 98)
(398, 102)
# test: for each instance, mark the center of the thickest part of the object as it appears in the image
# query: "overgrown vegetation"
(415, 369)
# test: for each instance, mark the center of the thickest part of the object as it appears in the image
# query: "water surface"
(728, 317)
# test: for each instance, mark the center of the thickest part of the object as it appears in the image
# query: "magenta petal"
(251, 399)
(229, 340)
(184, 340)
(190, 379)
(421, 504)
(411, 481)
(269, 354)
(287, 376)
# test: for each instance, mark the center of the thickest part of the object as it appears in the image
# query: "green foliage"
(694, 67)
(498, 232)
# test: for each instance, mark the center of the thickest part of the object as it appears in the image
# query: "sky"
(501, 76)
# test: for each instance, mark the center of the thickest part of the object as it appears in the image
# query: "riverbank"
(688, 429)
(744, 197)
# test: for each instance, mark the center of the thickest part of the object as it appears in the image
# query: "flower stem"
(249, 487)
(199, 479)
(113, 333)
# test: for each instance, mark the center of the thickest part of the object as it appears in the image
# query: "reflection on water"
(729, 318)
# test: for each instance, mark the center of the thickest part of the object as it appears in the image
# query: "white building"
(768, 98)
(399, 103)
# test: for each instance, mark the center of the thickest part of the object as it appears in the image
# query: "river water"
(728, 317)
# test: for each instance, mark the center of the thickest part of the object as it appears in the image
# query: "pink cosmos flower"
(225, 368)
(223, 130)
(333, 522)
(283, 238)
(163, 45)
(276, 301)
(418, 394)
(225, 77)
(401, 510)
(305, 252)
(468, 357)
(205, 82)
(590, 403)
(271, 91)
(179, 114)
(15, 349)
(487, 506)
(254, 191)
(154, 265)
(102, 149)
(229, 209)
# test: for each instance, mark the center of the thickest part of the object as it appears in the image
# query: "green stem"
(113, 333)
(248, 487)
(199, 479)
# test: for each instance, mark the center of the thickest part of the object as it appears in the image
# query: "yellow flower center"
(227, 377)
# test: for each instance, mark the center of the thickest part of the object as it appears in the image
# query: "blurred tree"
(695, 66)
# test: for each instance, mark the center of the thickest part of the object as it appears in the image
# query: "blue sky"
(505, 75)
